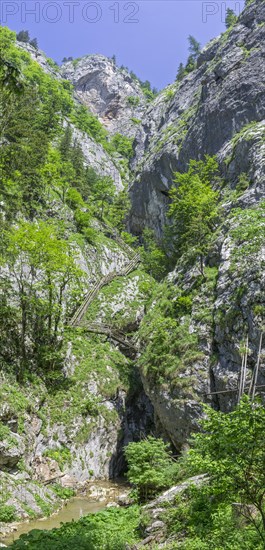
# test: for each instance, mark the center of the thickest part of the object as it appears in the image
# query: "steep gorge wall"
(206, 113)
(217, 109)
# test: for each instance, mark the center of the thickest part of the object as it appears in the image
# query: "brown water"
(74, 509)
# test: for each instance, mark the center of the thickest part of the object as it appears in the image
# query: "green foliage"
(112, 529)
(34, 43)
(145, 85)
(183, 305)
(148, 461)
(230, 19)
(40, 304)
(195, 50)
(197, 521)
(23, 36)
(123, 145)
(87, 122)
(52, 63)
(243, 183)
(136, 120)
(46, 508)
(7, 513)
(194, 47)
(18, 404)
(67, 59)
(61, 455)
(63, 492)
(95, 359)
(133, 100)
(118, 211)
(231, 451)
(103, 193)
(153, 256)
(128, 238)
(34, 106)
(76, 61)
(4, 431)
(168, 345)
(169, 94)
(248, 232)
(74, 198)
(193, 209)
(181, 72)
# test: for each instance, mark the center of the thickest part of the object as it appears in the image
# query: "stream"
(73, 509)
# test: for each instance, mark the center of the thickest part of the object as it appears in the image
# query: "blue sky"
(148, 36)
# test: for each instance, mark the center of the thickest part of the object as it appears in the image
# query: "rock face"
(212, 111)
(110, 92)
(97, 158)
(11, 450)
(84, 439)
(218, 109)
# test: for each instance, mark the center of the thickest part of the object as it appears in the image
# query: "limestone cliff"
(108, 395)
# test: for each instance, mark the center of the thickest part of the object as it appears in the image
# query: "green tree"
(230, 19)
(40, 279)
(119, 209)
(153, 256)
(87, 122)
(66, 59)
(123, 145)
(33, 107)
(231, 451)
(34, 43)
(77, 160)
(148, 463)
(181, 72)
(66, 142)
(102, 195)
(194, 47)
(193, 210)
(56, 174)
(23, 36)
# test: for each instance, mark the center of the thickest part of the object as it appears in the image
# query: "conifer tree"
(23, 36)
(194, 47)
(230, 19)
(181, 72)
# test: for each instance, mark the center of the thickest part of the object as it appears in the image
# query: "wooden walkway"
(93, 292)
(111, 332)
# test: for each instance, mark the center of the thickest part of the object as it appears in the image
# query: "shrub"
(7, 513)
(133, 100)
(63, 492)
(74, 198)
(148, 463)
(123, 145)
(62, 456)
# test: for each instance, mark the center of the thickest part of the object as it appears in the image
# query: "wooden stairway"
(81, 311)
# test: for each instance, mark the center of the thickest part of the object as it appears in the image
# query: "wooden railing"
(81, 311)
(112, 332)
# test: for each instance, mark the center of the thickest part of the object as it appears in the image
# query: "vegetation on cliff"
(225, 511)
(196, 295)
